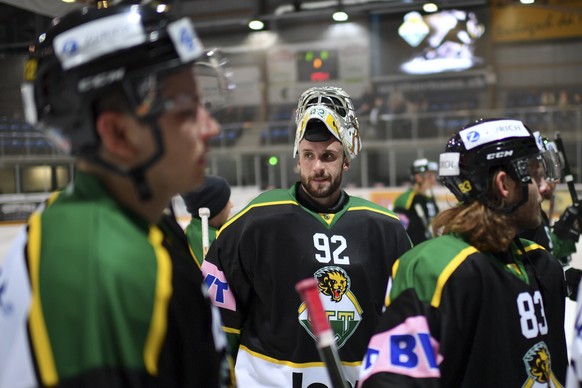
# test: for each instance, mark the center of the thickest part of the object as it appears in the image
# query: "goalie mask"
(333, 108)
(480, 149)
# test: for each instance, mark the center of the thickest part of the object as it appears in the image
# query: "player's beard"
(528, 215)
(321, 189)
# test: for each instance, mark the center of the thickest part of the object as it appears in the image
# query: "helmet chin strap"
(137, 173)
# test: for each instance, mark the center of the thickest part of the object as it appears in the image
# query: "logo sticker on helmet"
(473, 136)
(81, 44)
(449, 164)
(185, 40)
(490, 131)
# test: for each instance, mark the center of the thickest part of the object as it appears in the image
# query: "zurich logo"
(70, 47)
(473, 136)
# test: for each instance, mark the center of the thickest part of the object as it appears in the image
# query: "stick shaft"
(568, 177)
(309, 293)
(204, 212)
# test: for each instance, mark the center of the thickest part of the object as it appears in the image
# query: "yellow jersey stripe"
(237, 216)
(355, 208)
(447, 272)
(159, 324)
(293, 364)
(38, 331)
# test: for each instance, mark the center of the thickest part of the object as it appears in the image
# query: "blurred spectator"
(548, 98)
(563, 98)
(378, 109)
(397, 102)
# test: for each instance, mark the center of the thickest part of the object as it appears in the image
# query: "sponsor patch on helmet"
(489, 131)
(185, 40)
(449, 164)
(86, 42)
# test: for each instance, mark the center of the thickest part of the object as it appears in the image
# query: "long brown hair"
(486, 229)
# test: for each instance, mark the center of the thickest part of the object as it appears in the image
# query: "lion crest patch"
(341, 306)
(538, 365)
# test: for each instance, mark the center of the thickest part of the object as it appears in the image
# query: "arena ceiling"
(22, 20)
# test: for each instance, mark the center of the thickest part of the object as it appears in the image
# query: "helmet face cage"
(333, 106)
(552, 161)
(486, 146)
(143, 88)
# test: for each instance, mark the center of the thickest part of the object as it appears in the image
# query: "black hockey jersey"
(263, 251)
(464, 318)
(416, 211)
(93, 296)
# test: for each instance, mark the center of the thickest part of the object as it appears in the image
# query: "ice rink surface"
(8, 232)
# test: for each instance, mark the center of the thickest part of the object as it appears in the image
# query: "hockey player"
(214, 195)
(100, 289)
(416, 207)
(476, 307)
(313, 229)
(560, 238)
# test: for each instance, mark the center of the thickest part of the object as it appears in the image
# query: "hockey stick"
(204, 213)
(307, 289)
(567, 173)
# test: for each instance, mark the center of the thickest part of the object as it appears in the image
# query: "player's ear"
(112, 128)
(503, 184)
(346, 164)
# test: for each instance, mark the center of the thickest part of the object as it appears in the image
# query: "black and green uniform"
(560, 248)
(94, 296)
(416, 211)
(279, 239)
(194, 234)
(459, 317)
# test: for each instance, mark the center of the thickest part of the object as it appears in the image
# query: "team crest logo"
(341, 306)
(539, 368)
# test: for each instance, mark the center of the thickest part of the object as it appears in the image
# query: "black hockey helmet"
(90, 53)
(485, 146)
(420, 166)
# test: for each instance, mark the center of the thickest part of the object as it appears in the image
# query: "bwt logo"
(473, 136)
(498, 155)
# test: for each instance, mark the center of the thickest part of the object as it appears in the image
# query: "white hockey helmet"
(333, 107)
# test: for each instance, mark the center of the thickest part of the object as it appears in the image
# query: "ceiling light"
(340, 16)
(527, 1)
(256, 25)
(430, 7)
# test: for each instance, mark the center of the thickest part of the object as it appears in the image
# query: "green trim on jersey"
(288, 197)
(428, 266)
(93, 265)
(404, 200)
